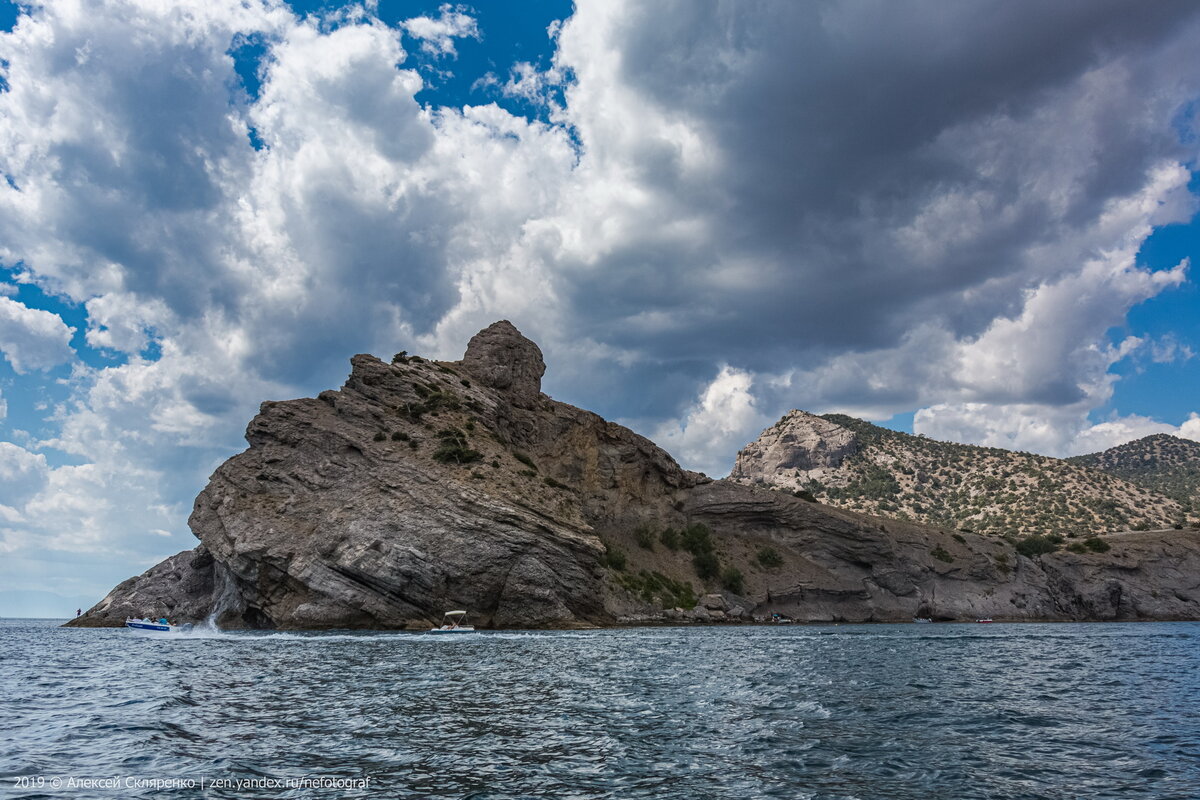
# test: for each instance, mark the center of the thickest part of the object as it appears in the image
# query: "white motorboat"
(454, 622)
(155, 625)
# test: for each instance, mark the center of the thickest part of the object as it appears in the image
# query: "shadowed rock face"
(422, 486)
(843, 566)
(180, 587)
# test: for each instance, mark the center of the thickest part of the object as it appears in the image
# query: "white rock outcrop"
(799, 448)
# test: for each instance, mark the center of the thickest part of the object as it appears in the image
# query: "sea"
(955, 711)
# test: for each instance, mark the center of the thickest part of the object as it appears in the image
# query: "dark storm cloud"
(836, 125)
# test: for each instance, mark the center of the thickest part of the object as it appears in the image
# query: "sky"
(971, 220)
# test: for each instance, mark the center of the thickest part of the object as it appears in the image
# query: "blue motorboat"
(155, 626)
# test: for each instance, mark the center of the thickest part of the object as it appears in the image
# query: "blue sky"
(1165, 391)
(706, 215)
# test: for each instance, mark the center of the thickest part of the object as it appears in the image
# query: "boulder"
(501, 358)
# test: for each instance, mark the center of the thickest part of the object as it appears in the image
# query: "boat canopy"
(456, 613)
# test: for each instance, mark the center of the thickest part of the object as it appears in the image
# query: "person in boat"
(163, 621)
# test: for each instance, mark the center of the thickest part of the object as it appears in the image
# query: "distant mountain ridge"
(853, 464)
(1162, 463)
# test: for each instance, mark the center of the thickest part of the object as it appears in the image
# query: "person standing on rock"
(78, 611)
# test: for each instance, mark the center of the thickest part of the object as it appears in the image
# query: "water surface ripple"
(896, 712)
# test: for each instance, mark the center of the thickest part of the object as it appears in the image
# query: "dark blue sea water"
(901, 711)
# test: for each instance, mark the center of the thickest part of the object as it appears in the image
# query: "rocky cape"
(422, 486)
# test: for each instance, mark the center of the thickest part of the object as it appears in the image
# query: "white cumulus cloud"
(31, 338)
(437, 34)
(716, 424)
(1190, 429)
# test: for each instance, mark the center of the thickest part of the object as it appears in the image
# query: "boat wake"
(200, 631)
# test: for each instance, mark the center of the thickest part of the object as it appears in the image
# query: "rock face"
(500, 357)
(422, 486)
(842, 566)
(180, 587)
(799, 448)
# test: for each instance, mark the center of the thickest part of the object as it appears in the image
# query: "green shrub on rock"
(707, 565)
(644, 535)
(1036, 545)
(697, 539)
(453, 448)
(656, 587)
(455, 453)
(669, 538)
(731, 579)
(614, 557)
(769, 557)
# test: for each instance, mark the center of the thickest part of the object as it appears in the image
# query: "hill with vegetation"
(1161, 463)
(852, 464)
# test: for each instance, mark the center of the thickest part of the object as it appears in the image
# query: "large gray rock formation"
(419, 487)
(422, 486)
(799, 448)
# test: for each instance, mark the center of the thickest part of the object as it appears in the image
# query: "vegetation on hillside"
(1161, 463)
(1000, 492)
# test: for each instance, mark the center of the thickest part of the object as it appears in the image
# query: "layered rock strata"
(422, 486)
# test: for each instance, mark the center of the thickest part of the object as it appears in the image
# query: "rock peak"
(798, 447)
(499, 356)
